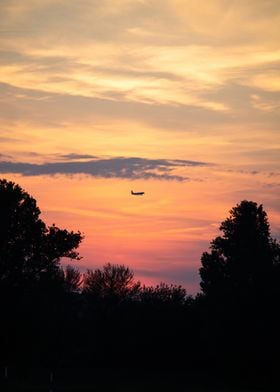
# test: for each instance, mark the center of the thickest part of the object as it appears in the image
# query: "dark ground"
(79, 380)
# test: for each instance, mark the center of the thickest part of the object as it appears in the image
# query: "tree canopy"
(164, 294)
(30, 251)
(244, 257)
(112, 282)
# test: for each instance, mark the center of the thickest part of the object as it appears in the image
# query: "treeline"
(54, 316)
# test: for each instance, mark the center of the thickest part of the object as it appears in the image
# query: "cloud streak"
(120, 167)
(143, 52)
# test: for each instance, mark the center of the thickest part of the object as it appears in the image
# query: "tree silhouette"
(110, 295)
(72, 279)
(240, 281)
(243, 259)
(29, 250)
(32, 281)
(164, 295)
(115, 282)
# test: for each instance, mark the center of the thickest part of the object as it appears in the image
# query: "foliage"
(72, 279)
(30, 251)
(164, 294)
(243, 258)
(112, 282)
(32, 281)
(240, 281)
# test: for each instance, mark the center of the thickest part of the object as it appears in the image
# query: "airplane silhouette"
(137, 193)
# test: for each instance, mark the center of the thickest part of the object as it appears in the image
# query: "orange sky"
(179, 98)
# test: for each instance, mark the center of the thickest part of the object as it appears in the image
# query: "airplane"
(137, 193)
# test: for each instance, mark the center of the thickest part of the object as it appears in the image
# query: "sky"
(177, 98)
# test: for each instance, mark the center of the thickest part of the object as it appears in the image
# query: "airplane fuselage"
(137, 193)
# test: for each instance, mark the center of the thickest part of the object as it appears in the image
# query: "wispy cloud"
(4, 156)
(73, 156)
(120, 167)
(124, 53)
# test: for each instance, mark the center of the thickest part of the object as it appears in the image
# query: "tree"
(115, 282)
(30, 252)
(72, 279)
(243, 259)
(110, 296)
(164, 295)
(240, 281)
(32, 281)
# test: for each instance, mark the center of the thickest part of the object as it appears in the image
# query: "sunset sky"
(177, 98)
